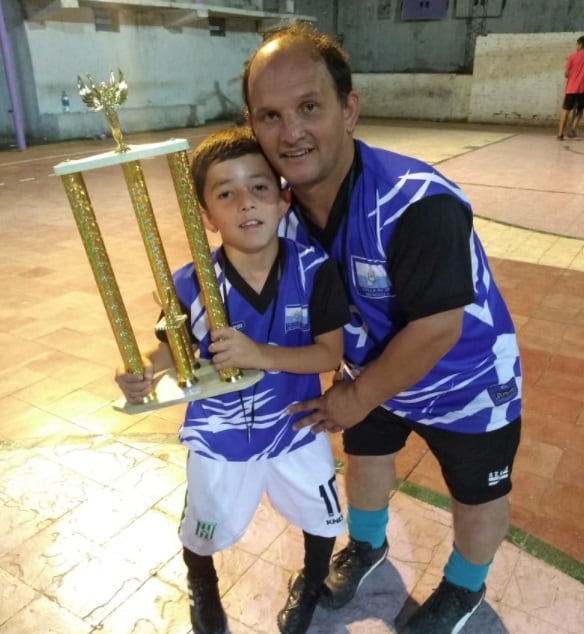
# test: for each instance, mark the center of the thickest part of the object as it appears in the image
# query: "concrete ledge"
(429, 96)
(85, 125)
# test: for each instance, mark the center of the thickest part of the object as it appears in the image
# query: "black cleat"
(349, 568)
(445, 611)
(296, 615)
(207, 614)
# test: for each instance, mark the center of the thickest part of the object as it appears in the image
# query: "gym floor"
(91, 497)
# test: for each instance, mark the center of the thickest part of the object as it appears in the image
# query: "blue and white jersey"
(217, 427)
(476, 386)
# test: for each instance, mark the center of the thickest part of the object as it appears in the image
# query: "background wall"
(517, 78)
(183, 76)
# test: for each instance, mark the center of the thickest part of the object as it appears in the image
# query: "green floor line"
(518, 537)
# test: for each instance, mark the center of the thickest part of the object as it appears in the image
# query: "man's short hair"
(324, 46)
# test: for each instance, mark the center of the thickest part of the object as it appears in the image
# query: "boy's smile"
(244, 203)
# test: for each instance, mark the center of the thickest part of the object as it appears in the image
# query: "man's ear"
(284, 202)
(207, 221)
(286, 194)
(351, 111)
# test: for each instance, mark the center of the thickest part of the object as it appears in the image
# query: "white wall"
(520, 77)
(175, 78)
(443, 97)
(517, 78)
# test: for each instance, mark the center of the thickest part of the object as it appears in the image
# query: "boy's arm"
(231, 348)
(136, 387)
(328, 313)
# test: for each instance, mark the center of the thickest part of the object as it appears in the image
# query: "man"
(430, 348)
(574, 91)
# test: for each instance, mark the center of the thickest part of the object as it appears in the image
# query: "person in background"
(430, 349)
(574, 91)
(287, 307)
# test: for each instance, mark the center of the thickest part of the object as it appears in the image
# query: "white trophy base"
(168, 392)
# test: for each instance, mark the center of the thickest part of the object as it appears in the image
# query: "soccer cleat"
(446, 610)
(207, 615)
(349, 568)
(296, 615)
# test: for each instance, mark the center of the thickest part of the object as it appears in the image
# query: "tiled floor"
(91, 497)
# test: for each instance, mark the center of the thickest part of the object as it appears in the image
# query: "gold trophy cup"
(191, 380)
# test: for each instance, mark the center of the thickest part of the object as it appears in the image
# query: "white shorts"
(222, 497)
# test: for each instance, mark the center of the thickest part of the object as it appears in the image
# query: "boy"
(287, 308)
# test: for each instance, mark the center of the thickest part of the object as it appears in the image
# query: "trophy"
(190, 380)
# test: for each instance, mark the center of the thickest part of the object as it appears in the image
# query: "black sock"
(317, 555)
(199, 566)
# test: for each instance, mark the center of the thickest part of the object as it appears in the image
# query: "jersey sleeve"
(328, 308)
(428, 258)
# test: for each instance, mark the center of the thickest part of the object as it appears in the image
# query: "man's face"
(298, 118)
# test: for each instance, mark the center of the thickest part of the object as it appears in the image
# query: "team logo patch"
(496, 476)
(504, 392)
(205, 530)
(296, 318)
(371, 278)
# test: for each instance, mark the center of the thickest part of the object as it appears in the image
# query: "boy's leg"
(305, 586)
(210, 523)
(206, 611)
(303, 489)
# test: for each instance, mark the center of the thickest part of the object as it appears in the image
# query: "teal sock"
(368, 526)
(462, 573)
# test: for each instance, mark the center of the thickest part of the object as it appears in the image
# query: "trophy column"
(188, 383)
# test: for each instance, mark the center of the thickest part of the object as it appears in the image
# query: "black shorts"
(573, 100)
(476, 467)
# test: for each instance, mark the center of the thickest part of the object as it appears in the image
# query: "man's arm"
(407, 358)
(429, 265)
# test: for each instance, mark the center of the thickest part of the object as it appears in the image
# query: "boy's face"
(244, 203)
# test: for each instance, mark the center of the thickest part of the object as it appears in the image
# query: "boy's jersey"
(218, 427)
(476, 386)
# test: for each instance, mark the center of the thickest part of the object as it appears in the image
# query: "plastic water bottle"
(65, 103)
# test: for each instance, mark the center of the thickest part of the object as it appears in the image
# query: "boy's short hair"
(223, 145)
(324, 47)
(580, 40)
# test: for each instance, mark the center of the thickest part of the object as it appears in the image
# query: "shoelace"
(343, 558)
(449, 595)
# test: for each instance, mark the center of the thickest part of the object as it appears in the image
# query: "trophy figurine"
(190, 380)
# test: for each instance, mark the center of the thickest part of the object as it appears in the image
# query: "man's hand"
(336, 410)
(134, 386)
(233, 349)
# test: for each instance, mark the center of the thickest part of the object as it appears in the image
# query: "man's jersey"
(218, 427)
(476, 386)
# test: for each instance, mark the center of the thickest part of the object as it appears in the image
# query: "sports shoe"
(560, 137)
(349, 568)
(445, 611)
(296, 615)
(571, 133)
(207, 615)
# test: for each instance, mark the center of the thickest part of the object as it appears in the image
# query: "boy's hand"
(134, 386)
(233, 349)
